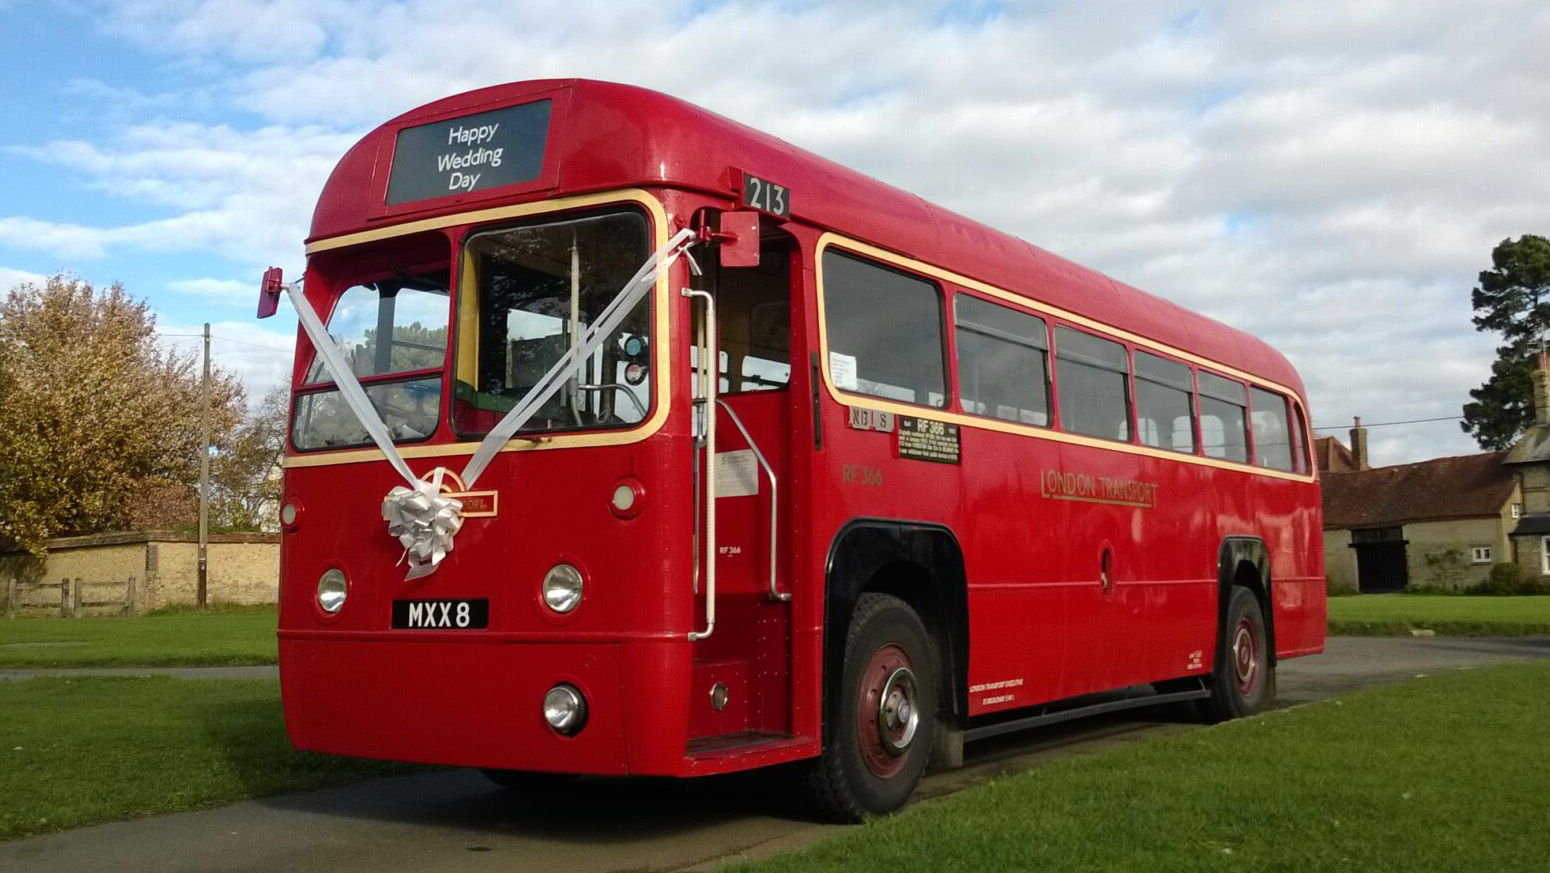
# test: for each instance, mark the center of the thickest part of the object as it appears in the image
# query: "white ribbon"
(420, 517)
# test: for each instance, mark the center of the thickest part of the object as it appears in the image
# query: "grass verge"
(236, 636)
(1447, 615)
(78, 751)
(1443, 773)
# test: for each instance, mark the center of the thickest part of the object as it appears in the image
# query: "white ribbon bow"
(424, 520)
(419, 516)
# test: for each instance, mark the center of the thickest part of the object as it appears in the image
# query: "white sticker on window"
(842, 368)
(737, 474)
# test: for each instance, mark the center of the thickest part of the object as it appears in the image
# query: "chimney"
(1359, 442)
(1541, 380)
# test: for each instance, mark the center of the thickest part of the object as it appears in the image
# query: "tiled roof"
(1333, 456)
(1462, 487)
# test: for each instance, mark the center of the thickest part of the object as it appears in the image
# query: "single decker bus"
(626, 439)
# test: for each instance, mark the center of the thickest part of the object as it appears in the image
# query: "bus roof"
(606, 136)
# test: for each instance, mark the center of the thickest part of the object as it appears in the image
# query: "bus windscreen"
(469, 153)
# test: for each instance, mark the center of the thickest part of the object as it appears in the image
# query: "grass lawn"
(243, 636)
(77, 751)
(1445, 773)
(1381, 614)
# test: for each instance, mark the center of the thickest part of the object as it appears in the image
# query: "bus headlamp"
(565, 709)
(333, 588)
(562, 588)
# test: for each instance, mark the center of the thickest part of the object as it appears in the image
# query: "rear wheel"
(1244, 679)
(879, 736)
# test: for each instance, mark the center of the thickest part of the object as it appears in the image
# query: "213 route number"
(766, 196)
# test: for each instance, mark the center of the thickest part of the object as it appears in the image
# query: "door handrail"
(769, 472)
(710, 366)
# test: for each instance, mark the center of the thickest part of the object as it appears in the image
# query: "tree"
(95, 418)
(1512, 299)
(245, 474)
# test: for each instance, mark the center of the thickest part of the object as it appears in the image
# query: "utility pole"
(204, 478)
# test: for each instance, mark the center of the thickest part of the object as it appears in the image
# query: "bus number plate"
(766, 196)
(441, 614)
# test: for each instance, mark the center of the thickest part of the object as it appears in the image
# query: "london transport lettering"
(1089, 488)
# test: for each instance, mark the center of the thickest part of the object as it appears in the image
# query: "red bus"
(850, 481)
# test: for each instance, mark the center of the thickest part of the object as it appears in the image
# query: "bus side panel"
(1019, 628)
(1297, 584)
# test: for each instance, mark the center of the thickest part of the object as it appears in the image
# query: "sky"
(1328, 177)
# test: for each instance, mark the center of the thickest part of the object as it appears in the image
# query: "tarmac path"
(458, 821)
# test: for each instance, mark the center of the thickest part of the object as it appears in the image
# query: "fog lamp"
(332, 590)
(565, 709)
(562, 588)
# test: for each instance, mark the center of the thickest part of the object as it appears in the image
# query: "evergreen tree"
(1512, 299)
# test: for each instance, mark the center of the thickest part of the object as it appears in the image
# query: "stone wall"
(243, 568)
(1440, 553)
(1339, 560)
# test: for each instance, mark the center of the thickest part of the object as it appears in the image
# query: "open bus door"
(741, 692)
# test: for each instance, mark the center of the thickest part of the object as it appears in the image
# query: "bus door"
(741, 693)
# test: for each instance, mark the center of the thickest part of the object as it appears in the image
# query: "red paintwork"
(1040, 623)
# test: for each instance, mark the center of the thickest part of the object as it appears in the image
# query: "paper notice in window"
(842, 369)
(737, 474)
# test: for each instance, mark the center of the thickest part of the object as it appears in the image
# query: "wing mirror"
(269, 292)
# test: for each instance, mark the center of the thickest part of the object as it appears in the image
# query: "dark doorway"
(1380, 560)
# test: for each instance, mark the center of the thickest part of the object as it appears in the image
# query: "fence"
(72, 600)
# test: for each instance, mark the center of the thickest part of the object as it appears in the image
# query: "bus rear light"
(565, 710)
(562, 588)
(333, 588)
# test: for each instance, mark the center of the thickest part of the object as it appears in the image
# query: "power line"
(226, 339)
(1392, 423)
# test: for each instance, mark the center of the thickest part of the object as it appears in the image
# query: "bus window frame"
(300, 389)
(1129, 374)
(1048, 350)
(848, 397)
(461, 277)
(1194, 399)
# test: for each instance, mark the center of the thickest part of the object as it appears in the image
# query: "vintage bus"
(853, 480)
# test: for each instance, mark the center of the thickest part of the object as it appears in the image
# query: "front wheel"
(1244, 679)
(879, 737)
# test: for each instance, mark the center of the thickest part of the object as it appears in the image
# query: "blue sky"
(1330, 178)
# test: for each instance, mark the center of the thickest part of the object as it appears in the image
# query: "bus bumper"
(480, 704)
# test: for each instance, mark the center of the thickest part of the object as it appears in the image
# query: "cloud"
(223, 291)
(10, 278)
(1330, 181)
(259, 356)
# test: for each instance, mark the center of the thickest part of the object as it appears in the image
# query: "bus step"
(735, 743)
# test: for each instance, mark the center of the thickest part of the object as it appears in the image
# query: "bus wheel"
(884, 718)
(528, 781)
(1243, 681)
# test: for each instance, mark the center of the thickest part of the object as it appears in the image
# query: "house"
(1440, 523)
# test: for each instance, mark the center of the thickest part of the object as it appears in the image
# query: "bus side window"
(884, 330)
(1165, 403)
(1223, 418)
(1093, 376)
(1300, 441)
(1003, 361)
(1272, 435)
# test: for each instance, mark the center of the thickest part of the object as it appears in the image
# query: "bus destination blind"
(471, 153)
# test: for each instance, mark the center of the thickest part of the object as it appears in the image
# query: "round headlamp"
(562, 588)
(332, 590)
(565, 709)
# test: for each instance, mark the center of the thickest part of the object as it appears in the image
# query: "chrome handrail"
(710, 364)
(769, 472)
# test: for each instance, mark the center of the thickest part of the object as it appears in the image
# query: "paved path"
(269, 671)
(457, 821)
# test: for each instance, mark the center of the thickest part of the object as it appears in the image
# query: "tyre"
(882, 722)
(1244, 678)
(528, 782)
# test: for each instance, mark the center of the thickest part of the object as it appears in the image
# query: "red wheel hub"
(887, 711)
(1245, 656)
